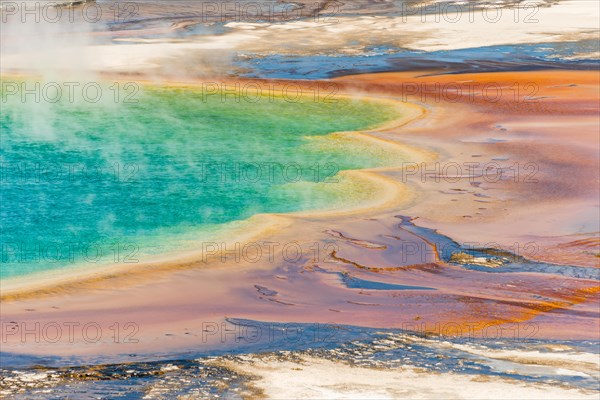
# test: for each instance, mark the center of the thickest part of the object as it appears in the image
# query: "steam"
(43, 46)
(47, 40)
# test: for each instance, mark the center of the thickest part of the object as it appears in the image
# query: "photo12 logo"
(69, 332)
(102, 251)
(482, 172)
(30, 172)
(473, 330)
(254, 92)
(255, 172)
(525, 12)
(267, 251)
(252, 332)
(69, 92)
(67, 11)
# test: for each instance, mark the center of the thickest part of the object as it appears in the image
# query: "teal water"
(97, 183)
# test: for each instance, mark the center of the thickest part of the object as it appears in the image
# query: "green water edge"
(148, 170)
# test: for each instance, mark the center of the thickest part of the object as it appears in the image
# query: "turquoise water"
(97, 183)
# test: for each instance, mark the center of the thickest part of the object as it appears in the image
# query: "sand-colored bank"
(339, 29)
(556, 212)
(316, 378)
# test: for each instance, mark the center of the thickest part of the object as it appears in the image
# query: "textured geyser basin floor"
(361, 363)
(561, 300)
(315, 378)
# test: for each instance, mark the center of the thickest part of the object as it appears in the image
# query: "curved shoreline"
(392, 194)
